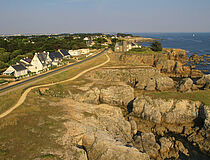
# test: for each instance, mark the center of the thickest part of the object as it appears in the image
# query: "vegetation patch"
(201, 95)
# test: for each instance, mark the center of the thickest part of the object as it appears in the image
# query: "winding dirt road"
(24, 95)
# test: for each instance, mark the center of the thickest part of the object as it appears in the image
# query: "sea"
(191, 42)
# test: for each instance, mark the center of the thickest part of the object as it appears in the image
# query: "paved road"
(48, 73)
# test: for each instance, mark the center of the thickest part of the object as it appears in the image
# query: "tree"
(3, 65)
(156, 46)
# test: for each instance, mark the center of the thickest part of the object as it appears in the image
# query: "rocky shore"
(173, 62)
(106, 119)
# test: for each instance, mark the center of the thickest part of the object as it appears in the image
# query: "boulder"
(180, 147)
(102, 147)
(196, 58)
(165, 146)
(117, 95)
(204, 80)
(206, 117)
(149, 145)
(164, 83)
(185, 85)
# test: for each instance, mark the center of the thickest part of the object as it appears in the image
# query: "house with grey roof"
(64, 53)
(55, 57)
(16, 70)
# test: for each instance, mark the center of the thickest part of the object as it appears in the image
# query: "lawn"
(201, 95)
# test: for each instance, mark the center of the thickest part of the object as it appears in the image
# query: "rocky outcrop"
(196, 58)
(176, 54)
(185, 117)
(100, 129)
(144, 78)
(196, 73)
(161, 148)
(166, 111)
(118, 95)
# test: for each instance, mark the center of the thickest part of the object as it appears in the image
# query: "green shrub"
(156, 46)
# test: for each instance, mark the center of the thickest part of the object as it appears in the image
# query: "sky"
(70, 16)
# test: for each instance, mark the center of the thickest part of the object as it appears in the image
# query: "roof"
(19, 67)
(42, 57)
(64, 52)
(24, 64)
(54, 55)
(28, 60)
(119, 44)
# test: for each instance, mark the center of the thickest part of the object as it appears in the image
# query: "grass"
(32, 131)
(2, 81)
(143, 50)
(201, 95)
(9, 99)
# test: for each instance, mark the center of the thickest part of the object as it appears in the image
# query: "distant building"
(90, 43)
(121, 46)
(16, 70)
(86, 39)
(125, 46)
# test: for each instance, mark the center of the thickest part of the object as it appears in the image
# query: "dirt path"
(24, 95)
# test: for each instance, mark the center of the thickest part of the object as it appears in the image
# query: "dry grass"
(27, 133)
(9, 99)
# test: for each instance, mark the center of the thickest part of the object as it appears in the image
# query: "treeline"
(12, 49)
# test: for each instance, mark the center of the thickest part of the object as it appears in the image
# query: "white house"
(84, 51)
(40, 62)
(64, 53)
(26, 60)
(55, 57)
(75, 53)
(16, 70)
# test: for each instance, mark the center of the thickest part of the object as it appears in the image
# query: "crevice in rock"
(130, 106)
(82, 147)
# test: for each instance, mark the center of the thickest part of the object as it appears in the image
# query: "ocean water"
(191, 42)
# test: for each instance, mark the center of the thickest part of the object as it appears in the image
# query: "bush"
(156, 46)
